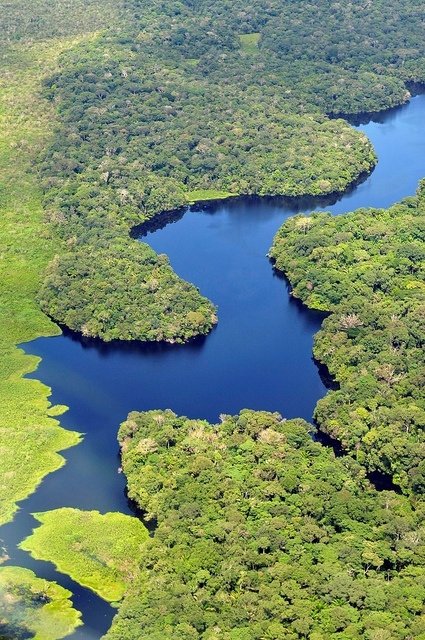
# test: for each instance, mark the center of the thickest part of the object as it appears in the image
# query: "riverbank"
(28, 423)
(265, 332)
(366, 270)
(23, 131)
(251, 147)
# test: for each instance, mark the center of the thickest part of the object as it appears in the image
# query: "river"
(259, 356)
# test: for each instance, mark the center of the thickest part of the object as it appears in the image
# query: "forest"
(262, 533)
(184, 101)
(367, 269)
(88, 289)
(126, 110)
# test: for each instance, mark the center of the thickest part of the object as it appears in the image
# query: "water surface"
(259, 355)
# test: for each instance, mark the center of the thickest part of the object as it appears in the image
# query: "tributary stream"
(259, 356)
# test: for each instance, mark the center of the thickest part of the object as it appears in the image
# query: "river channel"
(259, 356)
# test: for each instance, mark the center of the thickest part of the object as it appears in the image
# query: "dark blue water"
(259, 356)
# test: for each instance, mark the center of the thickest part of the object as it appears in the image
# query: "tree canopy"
(263, 533)
(367, 269)
(172, 101)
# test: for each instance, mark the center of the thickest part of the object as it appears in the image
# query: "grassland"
(32, 607)
(30, 435)
(249, 42)
(203, 195)
(98, 551)
(32, 38)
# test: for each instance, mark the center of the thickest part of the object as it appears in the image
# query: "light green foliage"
(30, 439)
(263, 533)
(202, 195)
(34, 608)
(367, 268)
(32, 38)
(100, 552)
(249, 42)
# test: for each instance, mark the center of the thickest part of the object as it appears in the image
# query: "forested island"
(112, 113)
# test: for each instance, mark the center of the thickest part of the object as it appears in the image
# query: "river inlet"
(259, 356)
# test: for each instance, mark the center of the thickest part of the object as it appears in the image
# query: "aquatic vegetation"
(367, 269)
(30, 435)
(100, 551)
(34, 608)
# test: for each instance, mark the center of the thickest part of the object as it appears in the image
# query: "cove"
(259, 355)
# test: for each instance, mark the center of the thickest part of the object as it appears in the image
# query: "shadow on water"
(385, 116)
(250, 203)
(259, 356)
(103, 349)
(383, 482)
(377, 117)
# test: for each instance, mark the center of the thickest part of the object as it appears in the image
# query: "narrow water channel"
(259, 356)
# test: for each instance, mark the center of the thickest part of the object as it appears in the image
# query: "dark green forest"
(263, 534)
(179, 102)
(124, 290)
(259, 531)
(367, 269)
(173, 103)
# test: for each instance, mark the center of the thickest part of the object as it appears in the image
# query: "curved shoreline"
(363, 117)
(212, 204)
(161, 219)
(298, 203)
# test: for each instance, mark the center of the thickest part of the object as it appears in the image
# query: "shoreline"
(181, 212)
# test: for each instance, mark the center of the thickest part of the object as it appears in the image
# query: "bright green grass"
(249, 42)
(98, 551)
(30, 438)
(30, 604)
(200, 195)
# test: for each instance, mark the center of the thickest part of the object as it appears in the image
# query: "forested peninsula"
(147, 125)
(263, 533)
(113, 113)
(367, 269)
(186, 102)
(180, 103)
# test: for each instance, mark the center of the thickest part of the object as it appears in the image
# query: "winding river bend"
(259, 356)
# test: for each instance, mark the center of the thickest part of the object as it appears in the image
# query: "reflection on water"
(259, 356)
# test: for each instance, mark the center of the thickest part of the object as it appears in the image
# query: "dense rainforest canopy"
(178, 102)
(263, 533)
(367, 269)
(124, 290)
